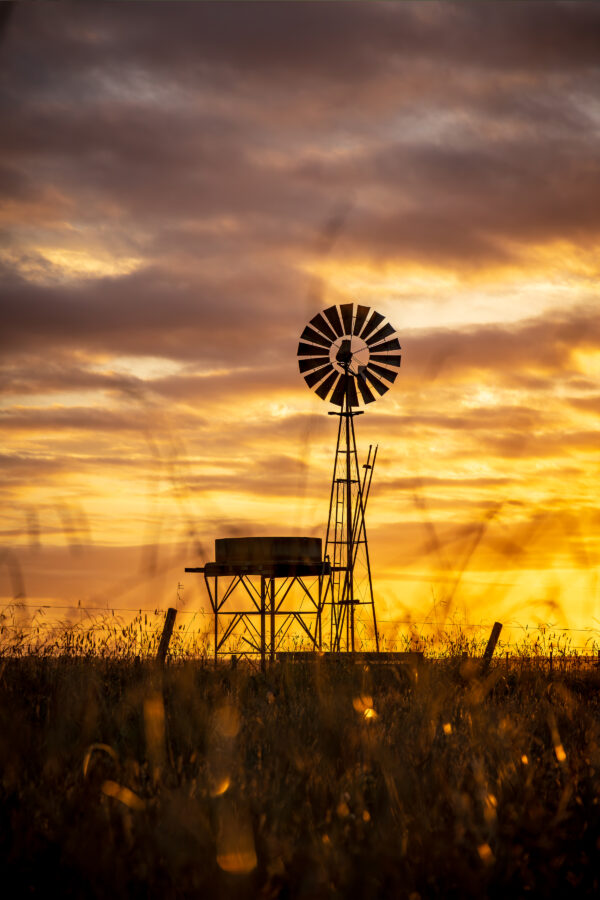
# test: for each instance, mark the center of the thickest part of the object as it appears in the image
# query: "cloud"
(69, 418)
(467, 141)
(292, 39)
(152, 312)
(240, 321)
(549, 444)
(412, 483)
(587, 404)
(545, 344)
(28, 374)
(186, 185)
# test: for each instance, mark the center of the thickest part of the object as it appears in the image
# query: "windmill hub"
(344, 353)
(349, 354)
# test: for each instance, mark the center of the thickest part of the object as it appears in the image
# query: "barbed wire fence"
(122, 632)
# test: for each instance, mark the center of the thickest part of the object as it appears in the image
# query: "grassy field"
(307, 781)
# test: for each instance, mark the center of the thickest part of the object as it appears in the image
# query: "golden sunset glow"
(180, 205)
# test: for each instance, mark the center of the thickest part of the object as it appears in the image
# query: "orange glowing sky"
(185, 185)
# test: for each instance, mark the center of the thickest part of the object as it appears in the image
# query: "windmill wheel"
(346, 351)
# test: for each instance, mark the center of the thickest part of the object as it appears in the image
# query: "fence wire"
(31, 628)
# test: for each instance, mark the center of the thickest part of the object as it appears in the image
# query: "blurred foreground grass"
(311, 780)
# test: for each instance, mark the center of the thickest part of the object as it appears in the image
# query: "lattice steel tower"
(341, 350)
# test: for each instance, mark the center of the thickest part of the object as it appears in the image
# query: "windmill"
(344, 355)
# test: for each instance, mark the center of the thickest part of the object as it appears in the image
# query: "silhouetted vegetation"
(122, 780)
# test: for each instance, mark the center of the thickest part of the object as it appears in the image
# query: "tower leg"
(216, 611)
(263, 621)
(346, 534)
(349, 535)
(272, 611)
(360, 528)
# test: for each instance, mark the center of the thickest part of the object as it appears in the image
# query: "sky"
(186, 185)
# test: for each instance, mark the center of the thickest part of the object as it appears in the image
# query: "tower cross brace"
(347, 534)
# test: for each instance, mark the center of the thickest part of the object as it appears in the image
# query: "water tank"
(268, 550)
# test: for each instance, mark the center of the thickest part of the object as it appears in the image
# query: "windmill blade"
(385, 331)
(346, 310)
(309, 350)
(352, 395)
(309, 334)
(373, 323)
(387, 345)
(379, 386)
(366, 393)
(346, 382)
(388, 360)
(314, 377)
(333, 316)
(307, 364)
(319, 322)
(361, 314)
(388, 374)
(340, 391)
(324, 388)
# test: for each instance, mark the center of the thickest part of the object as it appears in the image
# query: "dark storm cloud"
(155, 312)
(170, 112)
(521, 187)
(14, 184)
(468, 201)
(161, 163)
(263, 39)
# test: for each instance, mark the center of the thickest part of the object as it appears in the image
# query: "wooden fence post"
(166, 636)
(491, 646)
